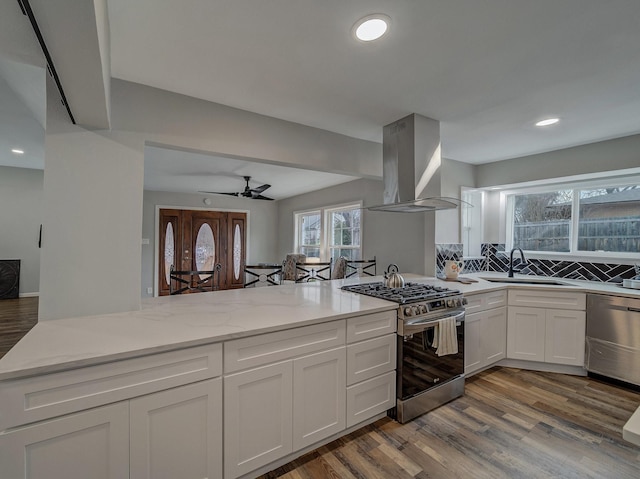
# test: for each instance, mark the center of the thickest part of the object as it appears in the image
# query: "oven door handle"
(417, 326)
(458, 317)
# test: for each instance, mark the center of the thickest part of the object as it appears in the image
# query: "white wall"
(20, 219)
(454, 175)
(595, 158)
(391, 237)
(92, 218)
(93, 182)
(262, 231)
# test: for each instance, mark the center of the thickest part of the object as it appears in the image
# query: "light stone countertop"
(175, 322)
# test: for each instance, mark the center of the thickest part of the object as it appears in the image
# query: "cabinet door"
(178, 433)
(526, 333)
(258, 419)
(565, 337)
(472, 354)
(493, 334)
(92, 444)
(319, 396)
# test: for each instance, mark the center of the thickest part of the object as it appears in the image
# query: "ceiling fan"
(252, 193)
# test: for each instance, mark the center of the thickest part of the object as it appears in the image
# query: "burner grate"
(410, 293)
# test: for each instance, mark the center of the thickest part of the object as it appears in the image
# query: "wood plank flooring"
(510, 423)
(17, 317)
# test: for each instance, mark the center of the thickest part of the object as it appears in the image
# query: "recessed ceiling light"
(371, 27)
(548, 121)
(17, 151)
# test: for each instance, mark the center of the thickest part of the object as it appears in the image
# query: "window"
(344, 224)
(590, 220)
(330, 232)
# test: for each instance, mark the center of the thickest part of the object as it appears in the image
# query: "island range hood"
(410, 159)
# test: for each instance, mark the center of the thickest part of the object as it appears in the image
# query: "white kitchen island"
(223, 384)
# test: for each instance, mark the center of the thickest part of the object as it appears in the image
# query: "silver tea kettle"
(393, 279)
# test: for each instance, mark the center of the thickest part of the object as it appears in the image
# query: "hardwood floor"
(509, 424)
(17, 317)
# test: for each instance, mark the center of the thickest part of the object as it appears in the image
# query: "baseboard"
(29, 295)
(545, 367)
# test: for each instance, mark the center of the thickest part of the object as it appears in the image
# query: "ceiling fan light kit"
(248, 192)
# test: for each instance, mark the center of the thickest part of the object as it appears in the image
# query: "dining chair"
(361, 267)
(289, 272)
(339, 270)
(194, 281)
(262, 274)
(313, 271)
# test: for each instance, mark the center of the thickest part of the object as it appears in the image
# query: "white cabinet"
(371, 363)
(565, 337)
(273, 410)
(178, 433)
(288, 390)
(164, 420)
(319, 401)
(555, 334)
(485, 330)
(258, 420)
(526, 333)
(91, 444)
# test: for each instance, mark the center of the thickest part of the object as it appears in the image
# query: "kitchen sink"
(551, 282)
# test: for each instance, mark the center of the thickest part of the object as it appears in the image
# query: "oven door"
(419, 367)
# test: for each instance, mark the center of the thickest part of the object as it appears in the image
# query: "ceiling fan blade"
(260, 197)
(260, 189)
(219, 193)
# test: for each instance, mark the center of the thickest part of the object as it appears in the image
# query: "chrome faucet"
(511, 268)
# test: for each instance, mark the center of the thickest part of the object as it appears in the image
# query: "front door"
(198, 240)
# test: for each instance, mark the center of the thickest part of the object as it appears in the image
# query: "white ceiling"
(22, 91)
(487, 70)
(181, 171)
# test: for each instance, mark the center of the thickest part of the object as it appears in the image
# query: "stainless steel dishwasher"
(613, 337)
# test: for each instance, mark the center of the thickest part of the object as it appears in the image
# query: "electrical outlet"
(149, 290)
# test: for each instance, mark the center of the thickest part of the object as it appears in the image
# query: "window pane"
(541, 222)
(609, 220)
(205, 250)
(310, 229)
(310, 252)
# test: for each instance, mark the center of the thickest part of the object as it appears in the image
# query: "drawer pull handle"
(633, 310)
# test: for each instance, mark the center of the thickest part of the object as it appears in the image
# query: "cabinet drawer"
(268, 348)
(371, 326)
(484, 301)
(41, 397)
(371, 397)
(371, 358)
(547, 299)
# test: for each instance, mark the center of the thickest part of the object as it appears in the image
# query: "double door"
(198, 240)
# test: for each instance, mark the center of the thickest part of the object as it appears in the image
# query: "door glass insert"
(205, 250)
(237, 251)
(169, 253)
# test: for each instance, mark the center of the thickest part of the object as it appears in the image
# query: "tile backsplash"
(495, 258)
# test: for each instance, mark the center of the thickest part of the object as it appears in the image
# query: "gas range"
(415, 299)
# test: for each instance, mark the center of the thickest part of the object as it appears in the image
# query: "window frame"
(575, 187)
(326, 229)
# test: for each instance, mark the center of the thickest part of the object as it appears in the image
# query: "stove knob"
(416, 310)
(408, 311)
(451, 303)
(423, 308)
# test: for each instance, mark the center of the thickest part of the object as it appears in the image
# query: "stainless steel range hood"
(410, 160)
